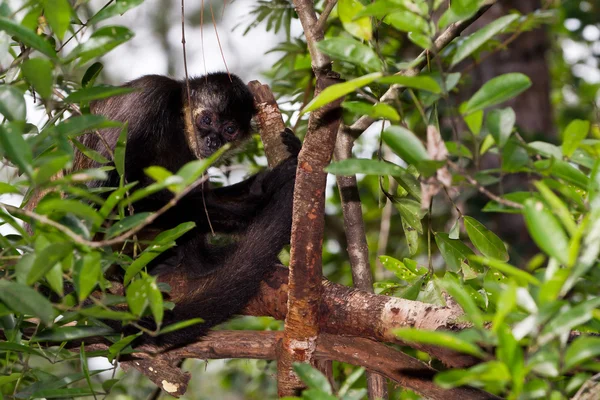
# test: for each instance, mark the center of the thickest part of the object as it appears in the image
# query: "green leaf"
(479, 38)
(507, 269)
(15, 148)
(546, 149)
(312, 377)
(407, 21)
(81, 124)
(581, 350)
(38, 72)
(353, 166)
(415, 82)
(352, 51)
(27, 36)
(465, 8)
(26, 301)
(119, 153)
(171, 235)
(498, 90)
(126, 224)
(119, 7)
(405, 144)
(91, 74)
(485, 240)
(155, 299)
(454, 252)
(137, 298)
(46, 259)
(12, 103)
(568, 319)
(118, 347)
(500, 123)
(546, 231)
(375, 111)
(96, 93)
(338, 90)
(576, 131)
(87, 274)
(68, 333)
(438, 338)
(559, 208)
(180, 325)
(82, 210)
(411, 212)
(401, 270)
(412, 238)
(474, 121)
(361, 27)
(149, 254)
(514, 157)
(6, 188)
(58, 15)
(563, 170)
(101, 42)
(421, 40)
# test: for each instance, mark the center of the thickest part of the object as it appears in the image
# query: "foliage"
(522, 314)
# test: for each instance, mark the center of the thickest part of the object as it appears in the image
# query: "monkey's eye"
(230, 130)
(206, 120)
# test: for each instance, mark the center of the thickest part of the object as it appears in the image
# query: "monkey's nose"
(213, 142)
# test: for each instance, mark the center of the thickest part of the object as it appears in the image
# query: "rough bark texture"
(269, 122)
(350, 312)
(401, 368)
(302, 324)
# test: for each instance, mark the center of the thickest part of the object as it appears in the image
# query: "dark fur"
(218, 281)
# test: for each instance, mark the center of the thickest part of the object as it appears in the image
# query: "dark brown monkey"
(218, 281)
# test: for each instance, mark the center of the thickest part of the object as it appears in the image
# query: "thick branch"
(350, 312)
(407, 371)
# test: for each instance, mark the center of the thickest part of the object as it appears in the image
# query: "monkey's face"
(214, 130)
(221, 111)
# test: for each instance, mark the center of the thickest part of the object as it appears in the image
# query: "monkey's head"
(221, 112)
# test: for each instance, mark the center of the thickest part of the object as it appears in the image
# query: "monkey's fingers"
(291, 141)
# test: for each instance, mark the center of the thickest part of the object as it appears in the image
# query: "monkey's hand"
(291, 141)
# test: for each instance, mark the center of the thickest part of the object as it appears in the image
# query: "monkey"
(168, 129)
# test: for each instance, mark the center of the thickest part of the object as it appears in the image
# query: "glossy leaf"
(507, 269)
(119, 7)
(15, 148)
(149, 254)
(12, 103)
(563, 170)
(581, 350)
(68, 333)
(58, 15)
(500, 123)
(96, 93)
(361, 27)
(92, 73)
(338, 90)
(87, 274)
(407, 21)
(406, 144)
(26, 301)
(27, 36)
(576, 131)
(38, 72)
(312, 377)
(546, 231)
(448, 340)
(353, 166)
(411, 212)
(101, 42)
(45, 260)
(479, 38)
(376, 111)
(415, 82)
(352, 51)
(497, 91)
(485, 240)
(126, 224)
(454, 252)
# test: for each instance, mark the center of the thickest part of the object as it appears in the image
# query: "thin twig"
(119, 239)
(483, 190)
(325, 14)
